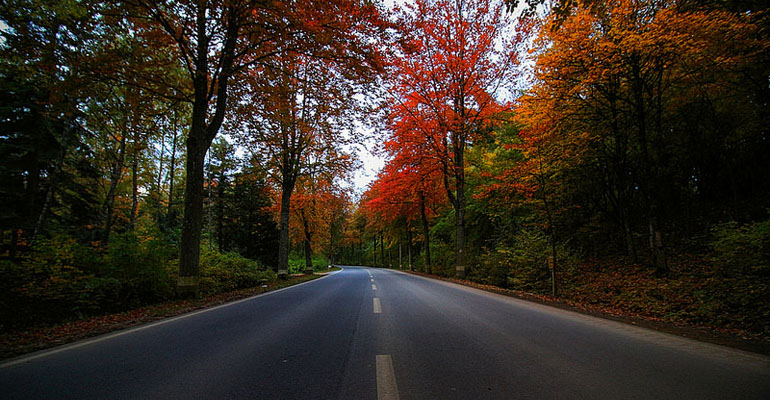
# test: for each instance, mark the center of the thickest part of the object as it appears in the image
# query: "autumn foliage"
(637, 136)
(614, 153)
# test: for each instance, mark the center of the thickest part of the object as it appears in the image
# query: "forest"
(608, 154)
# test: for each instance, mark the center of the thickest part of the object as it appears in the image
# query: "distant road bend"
(366, 333)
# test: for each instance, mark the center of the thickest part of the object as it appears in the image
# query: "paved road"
(378, 334)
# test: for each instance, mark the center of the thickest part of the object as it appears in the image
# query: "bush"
(222, 272)
(523, 265)
(140, 265)
(42, 293)
(742, 249)
(62, 279)
(297, 262)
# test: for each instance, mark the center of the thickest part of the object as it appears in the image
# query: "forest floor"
(38, 338)
(734, 338)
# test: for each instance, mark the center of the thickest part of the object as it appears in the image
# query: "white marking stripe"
(386, 378)
(377, 306)
(374, 287)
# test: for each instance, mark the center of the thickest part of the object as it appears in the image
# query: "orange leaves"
(444, 82)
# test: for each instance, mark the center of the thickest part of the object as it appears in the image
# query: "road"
(378, 334)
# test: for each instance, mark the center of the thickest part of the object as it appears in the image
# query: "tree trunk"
(189, 270)
(630, 248)
(308, 257)
(134, 184)
(658, 251)
(221, 209)
(308, 248)
(382, 249)
(209, 204)
(14, 243)
(400, 256)
(159, 183)
(457, 198)
(648, 180)
(460, 271)
(53, 183)
(201, 135)
(375, 250)
(425, 232)
(409, 245)
(283, 249)
(109, 201)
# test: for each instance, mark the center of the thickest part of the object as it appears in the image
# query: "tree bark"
(49, 193)
(221, 208)
(307, 245)
(134, 184)
(283, 224)
(189, 270)
(400, 256)
(375, 250)
(382, 249)
(648, 180)
(109, 201)
(202, 133)
(14, 243)
(409, 245)
(425, 232)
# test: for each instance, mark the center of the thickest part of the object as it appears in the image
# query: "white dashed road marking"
(386, 378)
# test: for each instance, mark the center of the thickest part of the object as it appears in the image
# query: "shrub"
(297, 262)
(139, 264)
(522, 265)
(41, 293)
(221, 272)
(742, 248)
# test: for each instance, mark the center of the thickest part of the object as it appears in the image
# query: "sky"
(370, 165)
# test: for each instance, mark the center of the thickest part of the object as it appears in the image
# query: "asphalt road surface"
(377, 334)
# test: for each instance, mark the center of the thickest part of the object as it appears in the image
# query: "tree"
(296, 126)
(445, 78)
(219, 40)
(248, 225)
(611, 87)
(212, 41)
(410, 185)
(315, 207)
(42, 135)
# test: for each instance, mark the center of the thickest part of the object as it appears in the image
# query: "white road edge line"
(377, 306)
(386, 378)
(86, 342)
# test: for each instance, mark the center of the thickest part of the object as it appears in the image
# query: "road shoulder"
(703, 333)
(22, 344)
